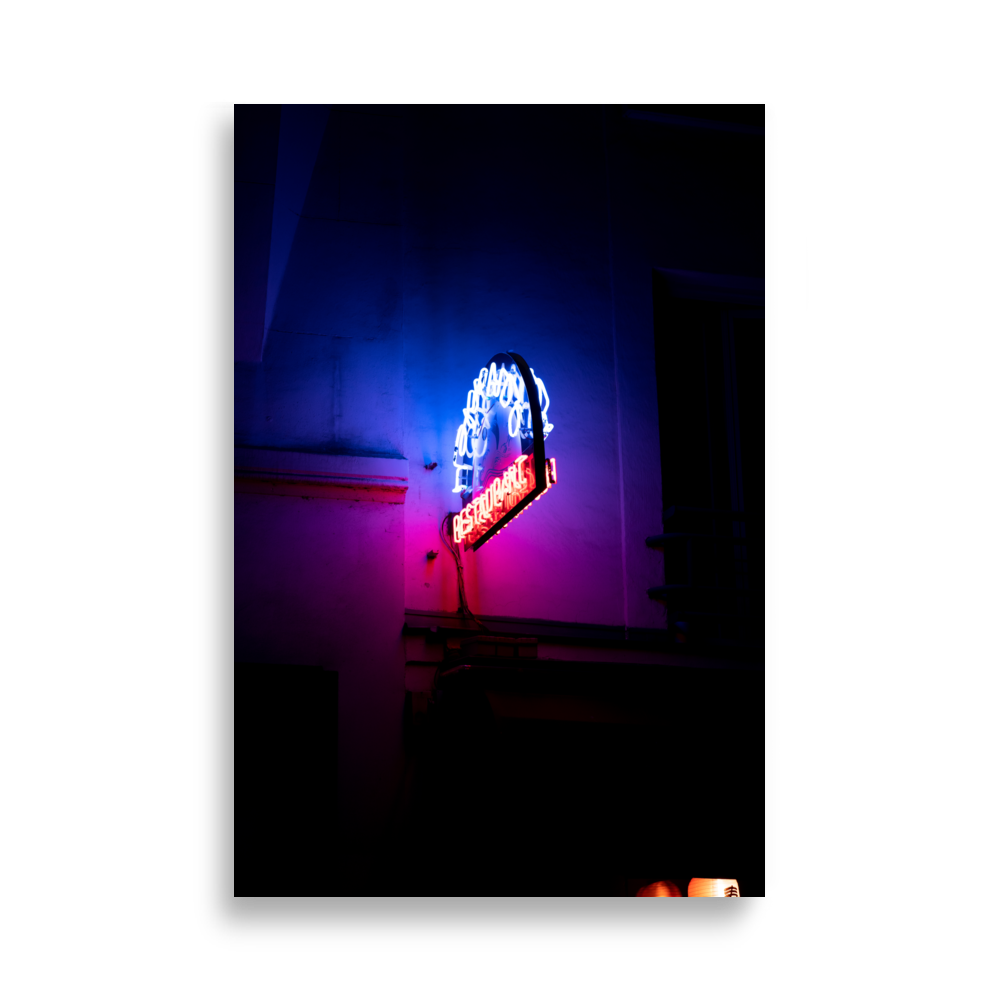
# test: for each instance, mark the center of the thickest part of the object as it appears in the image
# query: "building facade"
(590, 710)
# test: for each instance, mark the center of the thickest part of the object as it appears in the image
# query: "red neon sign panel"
(500, 497)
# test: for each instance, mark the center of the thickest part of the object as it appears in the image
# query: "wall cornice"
(305, 474)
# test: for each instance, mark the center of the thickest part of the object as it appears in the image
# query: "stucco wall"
(409, 245)
(506, 248)
(320, 581)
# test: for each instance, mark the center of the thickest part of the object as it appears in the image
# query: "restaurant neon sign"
(499, 457)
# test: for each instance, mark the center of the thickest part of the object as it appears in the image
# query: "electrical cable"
(463, 602)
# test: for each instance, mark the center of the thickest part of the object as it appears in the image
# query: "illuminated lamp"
(713, 887)
(500, 462)
(659, 889)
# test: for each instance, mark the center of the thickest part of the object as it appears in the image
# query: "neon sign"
(499, 457)
(501, 497)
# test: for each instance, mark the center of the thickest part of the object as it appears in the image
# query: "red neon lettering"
(500, 496)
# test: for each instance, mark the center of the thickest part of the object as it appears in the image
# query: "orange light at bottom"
(659, 889)
(713, 887)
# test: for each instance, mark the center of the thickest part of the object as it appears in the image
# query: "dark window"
(709, 364)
